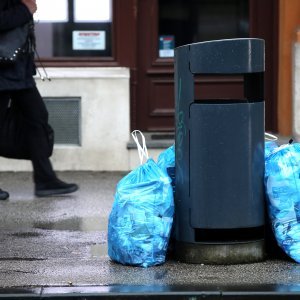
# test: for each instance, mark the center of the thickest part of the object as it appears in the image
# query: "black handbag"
(13, 137)
(13, 43)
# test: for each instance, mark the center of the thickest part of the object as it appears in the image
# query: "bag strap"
(142, 149)
(270, 137)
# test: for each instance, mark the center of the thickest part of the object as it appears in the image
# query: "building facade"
(111, 68)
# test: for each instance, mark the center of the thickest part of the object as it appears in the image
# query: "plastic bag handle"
(270, 137)
(142, 150)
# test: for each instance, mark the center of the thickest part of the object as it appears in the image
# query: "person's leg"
(35, 116)
(4, 100)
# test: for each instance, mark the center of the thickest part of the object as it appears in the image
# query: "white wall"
(105, 115)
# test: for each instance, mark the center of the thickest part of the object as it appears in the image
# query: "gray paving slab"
(62, 242)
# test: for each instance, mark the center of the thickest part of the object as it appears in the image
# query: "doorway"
(163, 25)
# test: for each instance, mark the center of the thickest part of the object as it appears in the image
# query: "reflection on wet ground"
(75, 224)
(99, 250)
(84, 224)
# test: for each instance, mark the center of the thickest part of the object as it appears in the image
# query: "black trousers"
(35, 116)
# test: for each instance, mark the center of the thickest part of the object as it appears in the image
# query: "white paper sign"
(88, 40)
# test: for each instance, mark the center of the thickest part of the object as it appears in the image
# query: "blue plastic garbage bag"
(270, 146)
(270, 143)
(141, 218)
(282, 183)
(166, 161)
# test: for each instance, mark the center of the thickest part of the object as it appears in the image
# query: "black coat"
(19, 76)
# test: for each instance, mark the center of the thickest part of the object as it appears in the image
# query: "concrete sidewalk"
(56, 247)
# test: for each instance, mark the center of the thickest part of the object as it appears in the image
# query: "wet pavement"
(56, 247)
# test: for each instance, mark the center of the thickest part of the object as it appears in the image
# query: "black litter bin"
(219, 190)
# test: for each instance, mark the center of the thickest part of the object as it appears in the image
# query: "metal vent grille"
(64, 117)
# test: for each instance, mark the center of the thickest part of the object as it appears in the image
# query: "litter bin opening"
(229, 235)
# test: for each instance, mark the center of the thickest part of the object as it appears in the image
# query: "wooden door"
(153, 108)
(155, 83)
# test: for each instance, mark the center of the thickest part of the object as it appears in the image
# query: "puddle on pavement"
(99, 250)
(72, 224)
(75, 224)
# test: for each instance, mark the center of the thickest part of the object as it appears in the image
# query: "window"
(74, 28)
(92, 11)
(51, 11)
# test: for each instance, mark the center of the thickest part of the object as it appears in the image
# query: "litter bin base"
(231, 253)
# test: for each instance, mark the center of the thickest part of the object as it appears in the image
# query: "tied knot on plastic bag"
(282, 185)
(141, 218)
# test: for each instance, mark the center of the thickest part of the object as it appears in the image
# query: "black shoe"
(3, 195)
(55, 188)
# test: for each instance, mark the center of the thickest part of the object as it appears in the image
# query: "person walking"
(17, 84)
